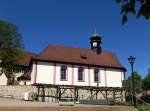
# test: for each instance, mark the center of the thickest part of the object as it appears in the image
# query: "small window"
(83, 56)
(94, 44)
(63, 73)
(96, 75)
(80, 74)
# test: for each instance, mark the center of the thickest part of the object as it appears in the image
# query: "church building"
(64, 65)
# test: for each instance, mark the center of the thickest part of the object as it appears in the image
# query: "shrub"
(34, 96)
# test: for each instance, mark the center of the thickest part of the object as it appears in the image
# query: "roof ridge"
(67, 46)
(30, 52)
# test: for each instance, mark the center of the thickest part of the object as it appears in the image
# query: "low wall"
(16, 92)
(146, 92)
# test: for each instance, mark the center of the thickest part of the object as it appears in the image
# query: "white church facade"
(57, 73)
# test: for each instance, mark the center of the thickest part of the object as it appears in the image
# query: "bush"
(146, 98)
(34, 96)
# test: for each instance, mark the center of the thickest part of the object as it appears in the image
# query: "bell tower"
(95, 42)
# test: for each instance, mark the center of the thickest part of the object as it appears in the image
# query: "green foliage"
(137, 76)
(137, 81)
(147, 81)
(136, 7)
(34, 96)
(143, 108)
(11, 46)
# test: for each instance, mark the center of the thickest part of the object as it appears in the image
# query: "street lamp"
(131, 60)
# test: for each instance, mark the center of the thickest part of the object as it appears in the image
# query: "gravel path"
(13, 102)
(7, 104)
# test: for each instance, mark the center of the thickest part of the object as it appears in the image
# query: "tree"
(11, 46)
(136, 7)
(137, 76)
(147, 81)
(137, 81)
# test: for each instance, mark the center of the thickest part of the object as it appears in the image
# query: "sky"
(71, 23)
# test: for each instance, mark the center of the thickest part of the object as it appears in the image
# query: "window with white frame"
(96, 75)
(80, 74)
(63, 73)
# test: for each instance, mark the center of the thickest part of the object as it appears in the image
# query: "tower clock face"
(94, 44)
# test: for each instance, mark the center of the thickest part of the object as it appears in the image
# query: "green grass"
(140, 107)
(143, 108)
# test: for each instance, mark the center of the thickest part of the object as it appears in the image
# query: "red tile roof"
(65, 54)
(26, 76)
(26, 58)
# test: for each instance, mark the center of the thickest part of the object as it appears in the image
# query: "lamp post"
(131, 60)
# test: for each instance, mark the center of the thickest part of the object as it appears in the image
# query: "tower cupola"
(96, 42)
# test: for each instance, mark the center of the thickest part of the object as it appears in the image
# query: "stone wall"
(146, 92)
(16, 92)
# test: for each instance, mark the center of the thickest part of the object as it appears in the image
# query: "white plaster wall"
(21, 83)
(28, 82)
(33, 73)
(69, 75)
(3, 79)
(114, 78)
(44, 73)
(123, 75)
(25, 83)
(107, 77)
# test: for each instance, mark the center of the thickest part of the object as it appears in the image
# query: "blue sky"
(71, 22)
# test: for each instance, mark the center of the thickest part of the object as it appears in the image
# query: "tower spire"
(95, 33)
(94, 29)
(96, 42)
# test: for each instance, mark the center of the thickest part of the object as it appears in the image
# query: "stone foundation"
(16, 92)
